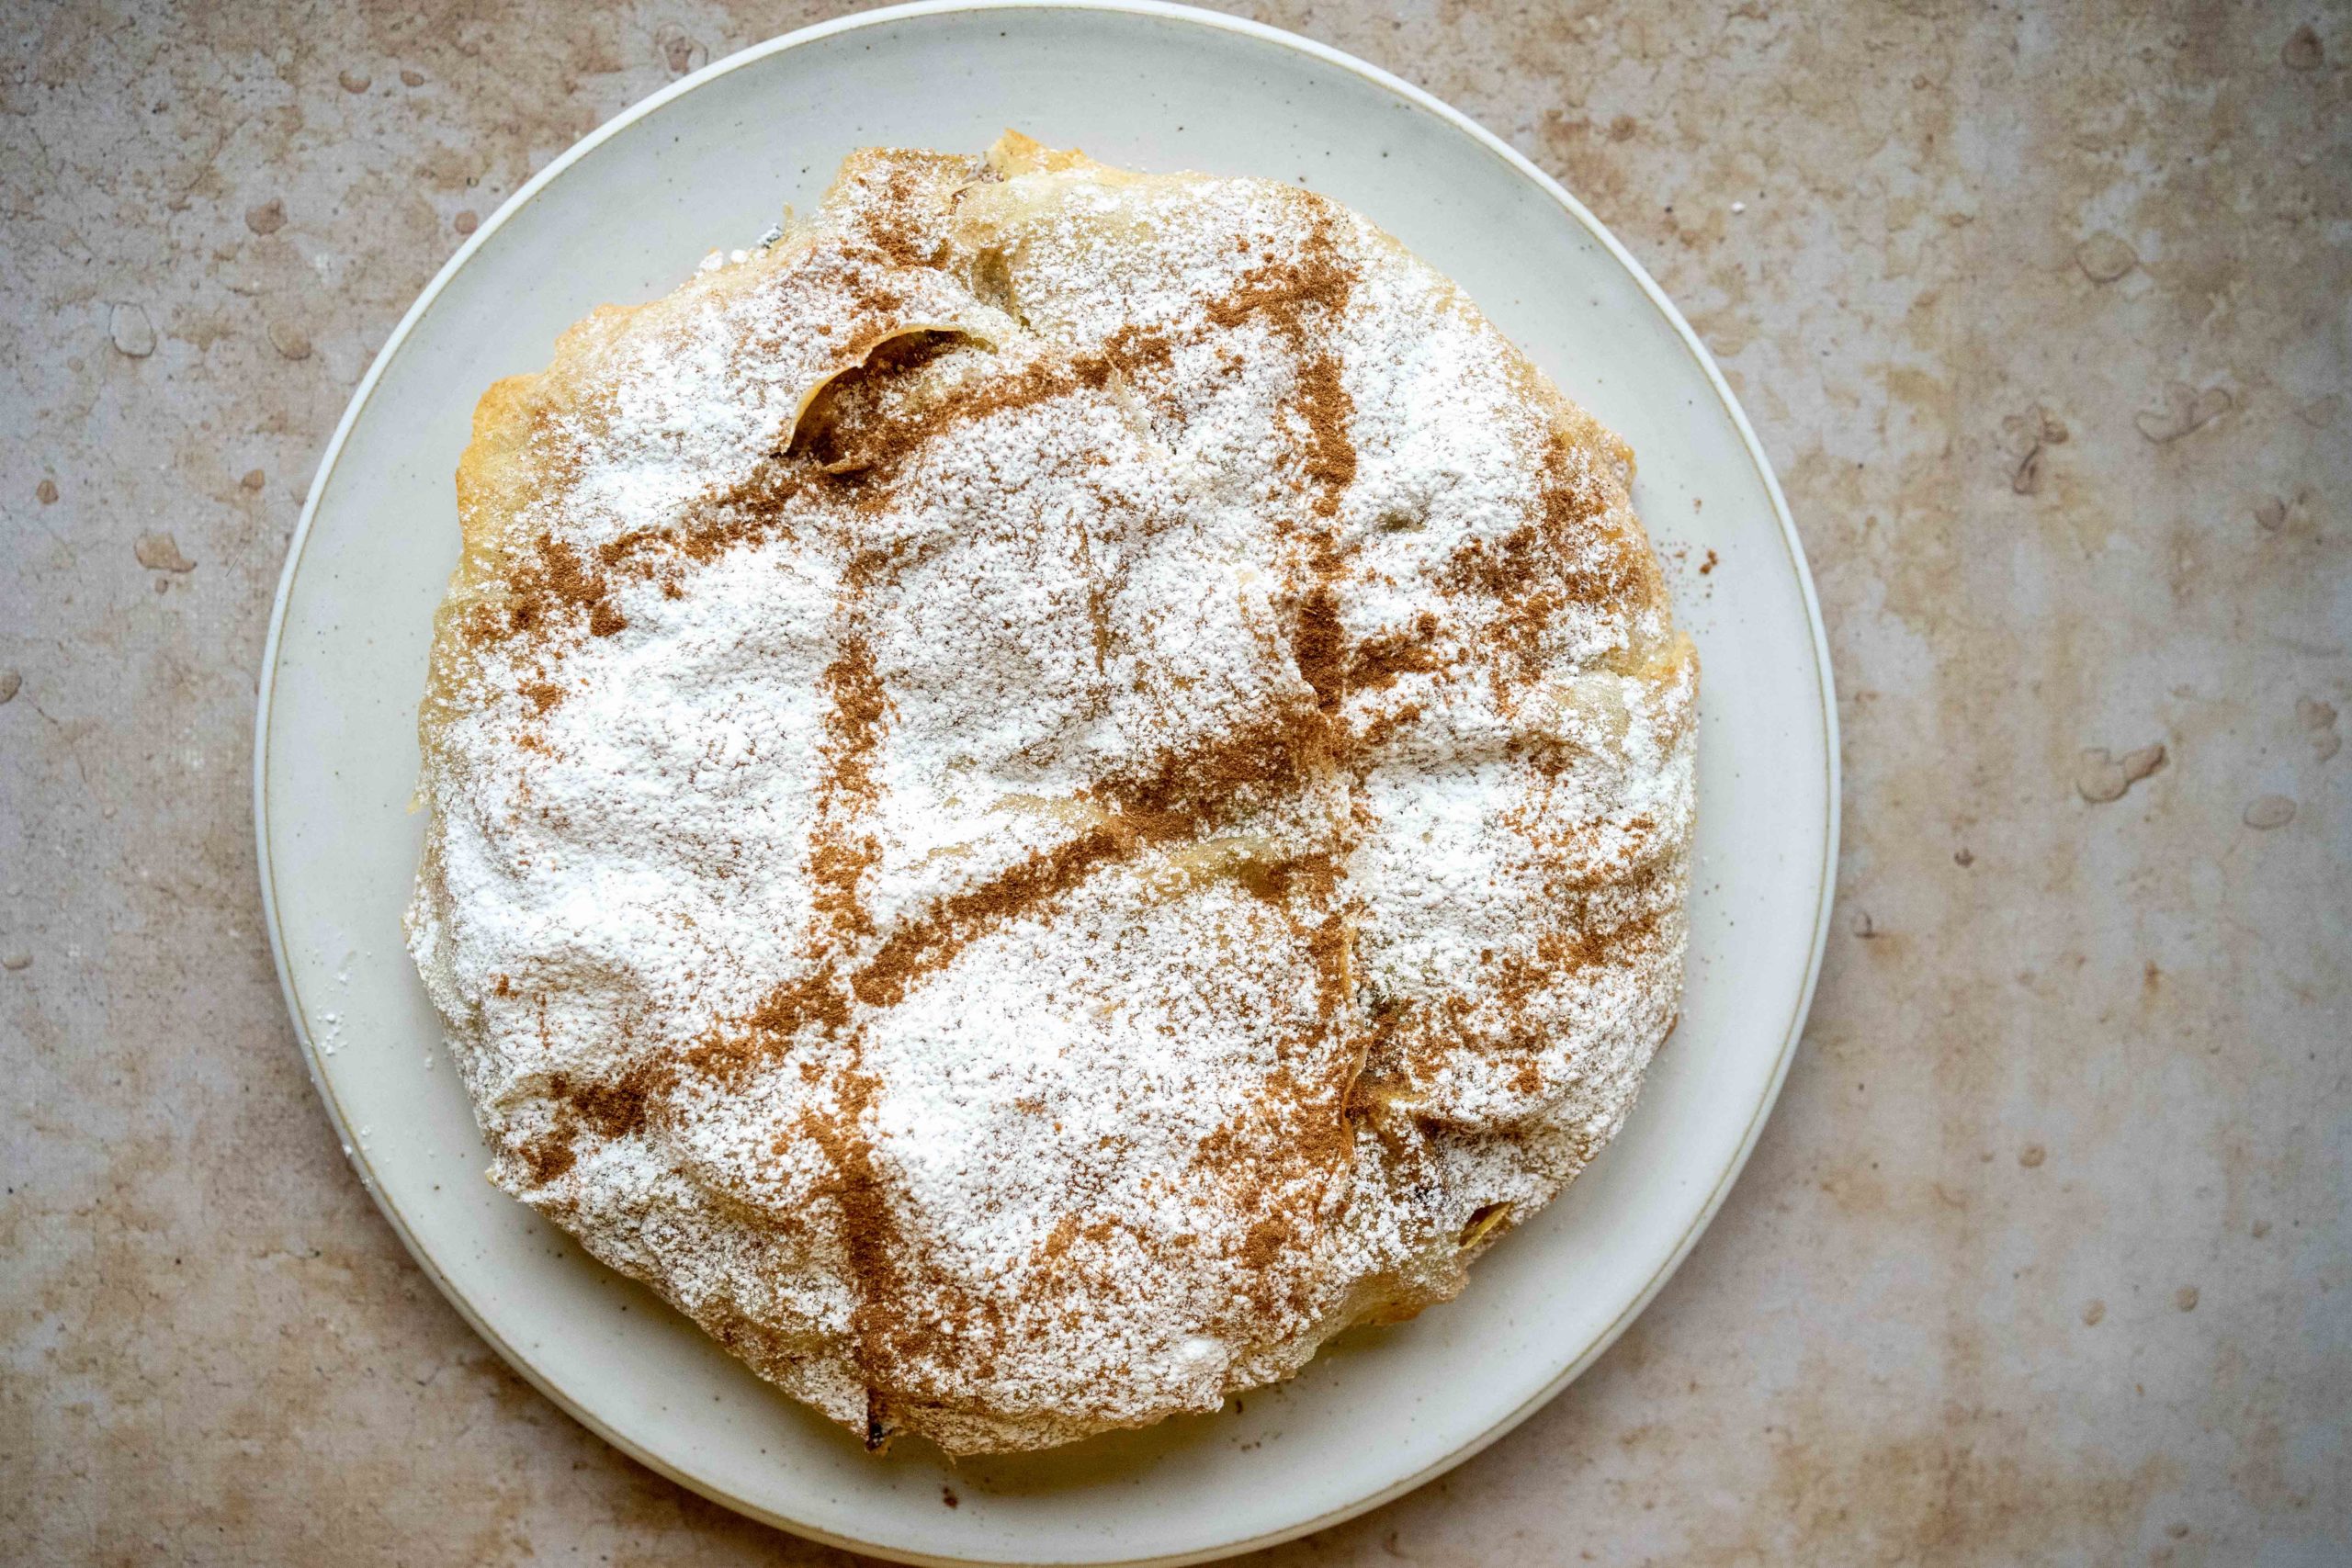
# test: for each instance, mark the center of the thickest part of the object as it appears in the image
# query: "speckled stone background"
(2042, 314)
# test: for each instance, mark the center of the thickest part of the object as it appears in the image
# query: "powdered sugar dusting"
(1048, 789)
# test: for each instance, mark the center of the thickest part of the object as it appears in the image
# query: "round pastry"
(1047, 790)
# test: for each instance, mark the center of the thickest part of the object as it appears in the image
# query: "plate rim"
(1418, 97)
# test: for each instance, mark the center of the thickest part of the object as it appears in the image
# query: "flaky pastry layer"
(1047, 790)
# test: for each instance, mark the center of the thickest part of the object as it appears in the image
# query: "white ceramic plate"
(625, 216)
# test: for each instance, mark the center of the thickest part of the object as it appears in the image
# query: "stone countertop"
(2042, 316)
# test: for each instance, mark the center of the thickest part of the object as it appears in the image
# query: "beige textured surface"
(2043, 317)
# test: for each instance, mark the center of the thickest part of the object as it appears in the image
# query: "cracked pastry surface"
(1047, 791)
